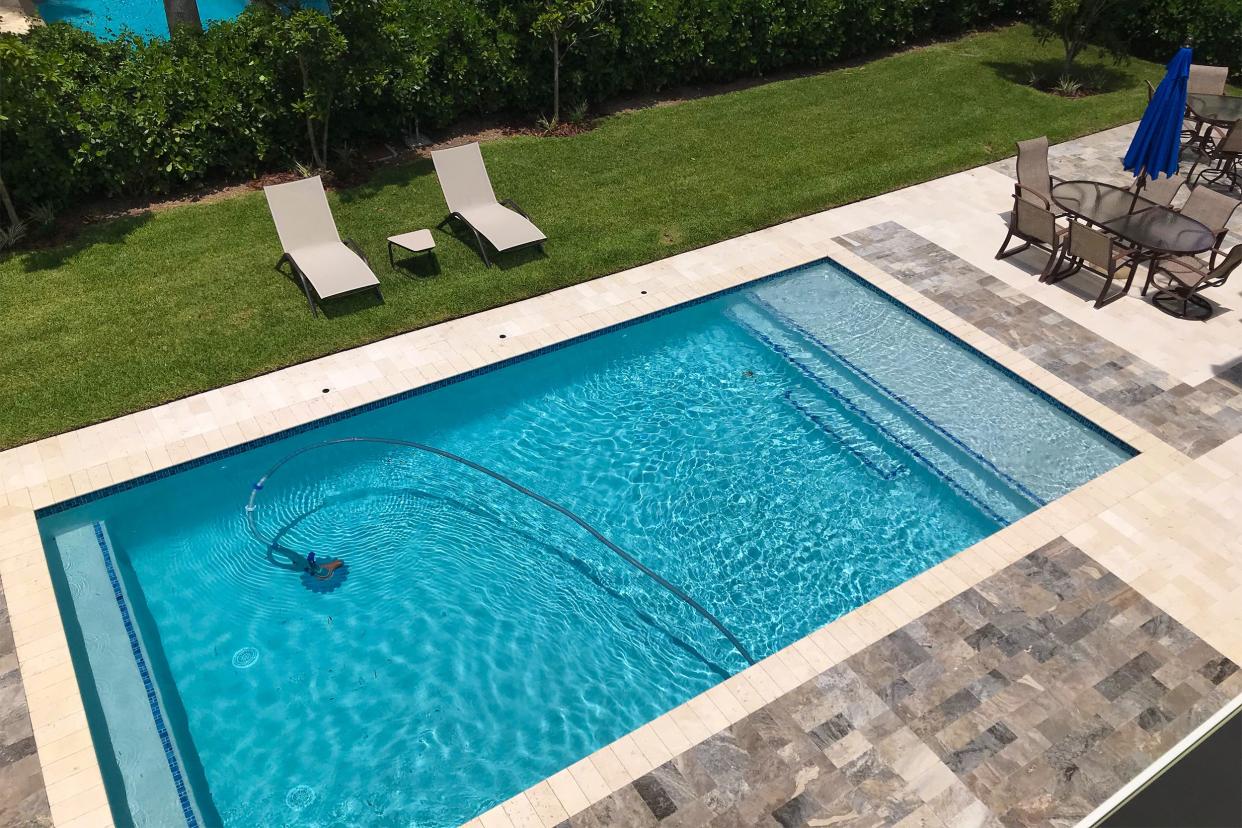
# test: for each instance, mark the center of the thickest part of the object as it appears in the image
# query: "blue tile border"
(157, 713)
(223, 454)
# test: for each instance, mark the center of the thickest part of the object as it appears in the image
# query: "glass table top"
(1146, 224)
(1219, 109)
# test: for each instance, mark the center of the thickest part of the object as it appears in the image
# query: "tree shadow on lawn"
(111, 232)
(395, 175)
(1041, 74)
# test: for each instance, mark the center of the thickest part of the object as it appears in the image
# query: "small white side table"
(419, 241)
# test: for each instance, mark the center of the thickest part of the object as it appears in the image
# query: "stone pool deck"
(1122, 601)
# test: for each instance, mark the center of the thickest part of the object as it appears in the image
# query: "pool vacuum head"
(326, 585)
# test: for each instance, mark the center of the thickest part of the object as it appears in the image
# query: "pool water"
(109, 18)
(784, 453)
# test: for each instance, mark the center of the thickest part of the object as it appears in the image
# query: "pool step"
(919, 439)
(829, 419)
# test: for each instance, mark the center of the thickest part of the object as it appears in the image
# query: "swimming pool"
(109, 18)
(783, 452)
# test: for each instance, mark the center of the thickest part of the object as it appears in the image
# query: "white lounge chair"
(468, 193)
(326, 267)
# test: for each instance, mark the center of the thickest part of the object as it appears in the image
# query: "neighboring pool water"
(109, 18)
(784, 453)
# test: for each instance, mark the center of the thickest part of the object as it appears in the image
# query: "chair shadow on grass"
(501, 261)
(1098, 78)
(112, 232)
(337, 307)
(345, 305)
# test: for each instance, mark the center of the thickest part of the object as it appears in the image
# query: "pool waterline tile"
(108, 467)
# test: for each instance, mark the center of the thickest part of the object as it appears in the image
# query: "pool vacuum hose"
(518, 487)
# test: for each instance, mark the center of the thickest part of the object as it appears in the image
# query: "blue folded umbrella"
(1157, 143)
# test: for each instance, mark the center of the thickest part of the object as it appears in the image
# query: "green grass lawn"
(142, 310)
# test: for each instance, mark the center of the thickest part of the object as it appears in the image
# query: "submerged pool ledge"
(140, 447)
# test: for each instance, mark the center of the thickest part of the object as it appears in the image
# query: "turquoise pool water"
(784, 453)
(109, 18)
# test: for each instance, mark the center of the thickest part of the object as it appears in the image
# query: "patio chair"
(1207, 80)
(1224, 157)
(326, 267)
(1213, 210)
(1092, 250)
(1161, 190)
(1033, 172)
(1033, 221)
(1203, 80)
(1185, 278)
(471, 201)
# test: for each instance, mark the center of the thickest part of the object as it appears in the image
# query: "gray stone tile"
(1013, 731)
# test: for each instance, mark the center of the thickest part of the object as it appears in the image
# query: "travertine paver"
(1024, 701)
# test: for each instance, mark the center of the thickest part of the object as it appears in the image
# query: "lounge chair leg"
(305, 289)
(379, 295)
(482, 249)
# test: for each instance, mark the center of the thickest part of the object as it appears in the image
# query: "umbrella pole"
(1142, 181)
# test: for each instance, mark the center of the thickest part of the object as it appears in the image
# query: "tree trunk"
(182, 13)
(317, 158)
(1072, 47)
(556, 78)
(9, 209)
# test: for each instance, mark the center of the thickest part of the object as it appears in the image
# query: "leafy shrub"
(81, 118)
(1155, 29)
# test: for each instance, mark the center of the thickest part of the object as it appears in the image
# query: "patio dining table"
(1219, 110)
(1154, 229)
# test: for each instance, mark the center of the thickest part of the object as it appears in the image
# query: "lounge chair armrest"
(513, 205)
(1018, 191)
(353, 245)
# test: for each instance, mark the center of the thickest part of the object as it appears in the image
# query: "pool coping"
(136, 446)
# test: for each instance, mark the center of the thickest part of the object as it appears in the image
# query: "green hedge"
(80, 118)
(1155, 29)
(83, 117)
